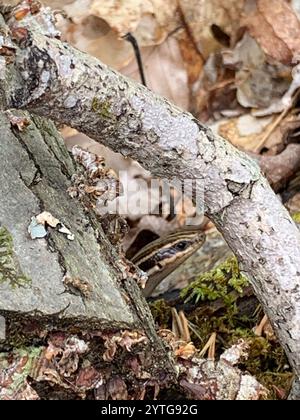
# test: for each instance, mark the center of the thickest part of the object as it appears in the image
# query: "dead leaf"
(94, 36)
(20, 122)
(165, 72)
(88, 378)
(258, 83)
(125, 339)
(287, 99)
(46, 217)
(185, 351)
(80, 285)
(206, 17)
(97, 26)
(276, 28)
(190, 55)
(244, 132)
(116, 388)
(123, 17)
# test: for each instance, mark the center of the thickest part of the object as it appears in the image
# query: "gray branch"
(55, 80)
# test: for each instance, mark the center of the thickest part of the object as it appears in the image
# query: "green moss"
(216, 284)
(102, 108)
(296, 217)
(161, 312)
(9, 267)
(268, 363)
(225, 284)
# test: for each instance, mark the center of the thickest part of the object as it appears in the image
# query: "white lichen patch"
(64, 65)
(70, 101)
(2, 68)
(177, 132)
(206, 149)
(36, 230)
(250, 389)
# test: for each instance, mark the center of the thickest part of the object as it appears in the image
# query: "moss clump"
(220, 304)
(9, 267)
(161, 312)
(103, 109)
(296, 217)
(216, 284)
(268, 363)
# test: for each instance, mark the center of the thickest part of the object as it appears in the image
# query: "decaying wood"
(50, 78)
(35, 174)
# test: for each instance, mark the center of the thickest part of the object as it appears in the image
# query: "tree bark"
(35, 173)
(55, 80)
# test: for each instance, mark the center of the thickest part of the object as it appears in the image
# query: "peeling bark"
(55, 80)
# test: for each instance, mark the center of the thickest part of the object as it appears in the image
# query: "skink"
(162, 256)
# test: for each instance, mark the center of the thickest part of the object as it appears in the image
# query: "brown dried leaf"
(185, 351)
(19, 122)
(258, 83)
(276, 28)
(152, 20)
(202, 16)
(286, 102)
(244, 132)
(75, 284)
(190, 55)
(94, 36)
(65, 358)
(117, 389)
(121, 16)
(125, 339)
(88, 378)
(98, 26)
(97, 30)
(51, 352)
(46, 217)
(165, 72)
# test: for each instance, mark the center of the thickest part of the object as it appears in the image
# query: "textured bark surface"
(35, 173)
(55, 80)
(34, 176)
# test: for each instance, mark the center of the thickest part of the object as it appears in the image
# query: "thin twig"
(130, 38)
(185, 328)
(271, 129)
